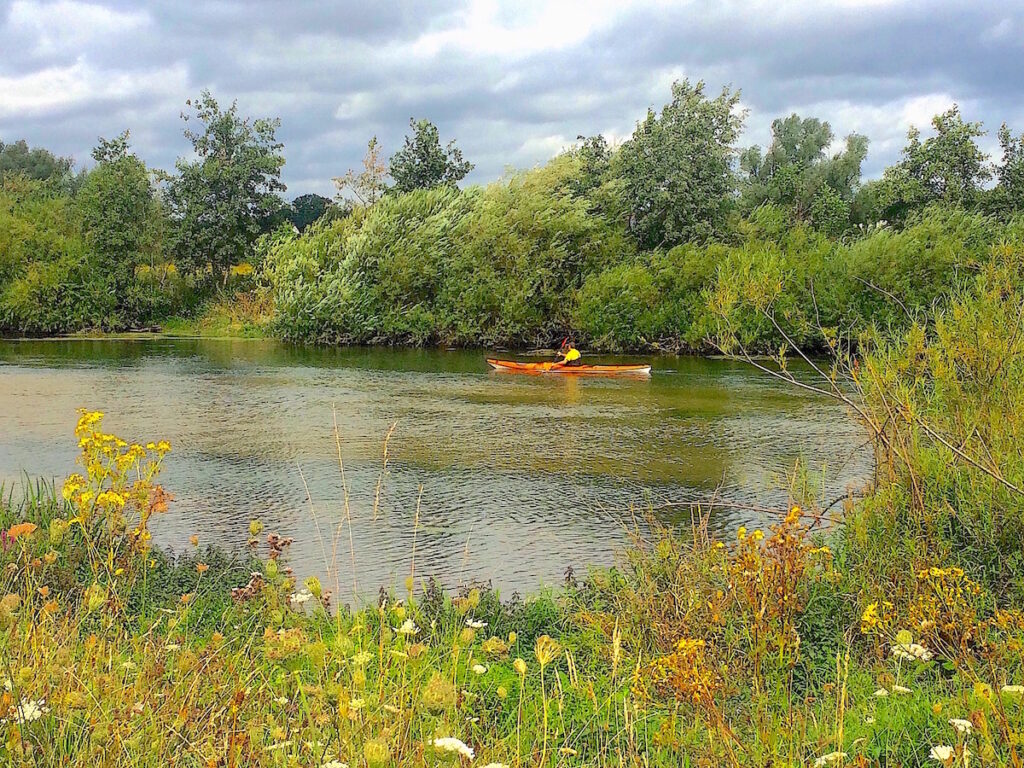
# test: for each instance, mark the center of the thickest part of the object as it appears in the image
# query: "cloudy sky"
(513, 82)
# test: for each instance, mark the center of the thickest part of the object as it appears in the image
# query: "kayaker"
(570, 355)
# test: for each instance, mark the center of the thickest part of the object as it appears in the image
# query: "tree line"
(621, 246)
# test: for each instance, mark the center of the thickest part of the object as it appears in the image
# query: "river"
(516, 478)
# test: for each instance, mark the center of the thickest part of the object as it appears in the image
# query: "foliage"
(221, 201)
(1008, 196)
(498, 265)
(120, 217)
(369, 184)
(798, 174)
(422, 163)
(948, 167)
(306, 209)
(38, 164)
(677, 167)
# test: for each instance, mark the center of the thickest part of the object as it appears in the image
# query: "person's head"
(566, 344)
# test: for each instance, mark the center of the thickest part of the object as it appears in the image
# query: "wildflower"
(282, 700)
(829, 759)
(408, 628)
(494, 646)
(202, 567)
(376, 752)
(334, 764)
(519, 666)
(512, 638)
(941, 752)
(546, 650)
(451, 744)
(361, 658)
(911, 651)
(1013, 690)
(869, 619)
(21, 529)
(30, 711)
(356, 704)
(301, 597)
(881, 693)
(479, 669)
(472, 623)
(277, 747)
(900, 689)
(172, 647)
(961, 726)
(496, 765)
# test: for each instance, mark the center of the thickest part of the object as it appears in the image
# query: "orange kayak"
(511, 366)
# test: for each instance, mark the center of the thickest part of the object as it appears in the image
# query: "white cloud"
(68, 25)
(57, 89)
(488, 27)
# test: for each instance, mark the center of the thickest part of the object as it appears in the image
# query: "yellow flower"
(546, 650)
(869, 620)
(519, 666)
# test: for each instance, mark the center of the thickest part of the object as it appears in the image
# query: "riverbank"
(762, 649)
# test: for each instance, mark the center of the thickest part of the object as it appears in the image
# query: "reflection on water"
(517, 477)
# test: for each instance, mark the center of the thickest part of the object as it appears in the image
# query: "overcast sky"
(513, 82)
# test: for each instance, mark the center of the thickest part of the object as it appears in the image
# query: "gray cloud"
(512, 82)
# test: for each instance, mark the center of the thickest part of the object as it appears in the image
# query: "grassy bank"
(893, 639)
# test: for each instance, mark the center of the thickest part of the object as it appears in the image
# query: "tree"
(1009, 192)
(798, 173)
(369, 184)
(305, 209)
(595, 161)
(947, 168)
(39, 164)
(117, 205)
(423, 164)
(677, 169)
(222, 200)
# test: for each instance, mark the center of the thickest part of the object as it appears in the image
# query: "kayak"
(511, 366)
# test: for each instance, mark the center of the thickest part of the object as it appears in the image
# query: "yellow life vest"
(572, 354)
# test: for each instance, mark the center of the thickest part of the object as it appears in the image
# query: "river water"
(516, 478)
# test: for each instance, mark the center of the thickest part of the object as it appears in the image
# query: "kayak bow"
(511, 366)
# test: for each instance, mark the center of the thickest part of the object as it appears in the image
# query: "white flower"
(408, 628)
(363, 657)
(1013, 690)
(474, 624)
(282, 700)
(941, 752)
(901, 689)
(29, 711)
(334, 764)
(911, 651)
(961, 726)
(831, 757)
(301, 597)
(881, 693)
(479, 668)
(451, 744)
